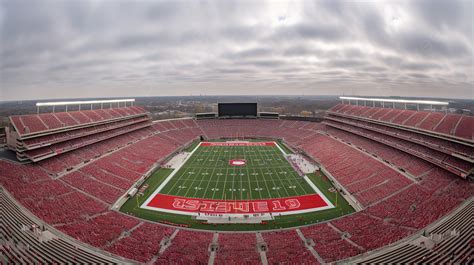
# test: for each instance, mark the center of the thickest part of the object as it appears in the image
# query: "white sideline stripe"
(163, 184)
(330, 205)
(281, 150)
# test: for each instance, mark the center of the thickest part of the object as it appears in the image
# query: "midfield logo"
(237, 162)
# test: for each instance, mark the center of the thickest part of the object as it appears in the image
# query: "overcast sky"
(66, 49)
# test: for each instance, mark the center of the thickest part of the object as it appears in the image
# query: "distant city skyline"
(87, 49)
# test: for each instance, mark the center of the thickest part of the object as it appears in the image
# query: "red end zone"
(193, 205)
(238, 144)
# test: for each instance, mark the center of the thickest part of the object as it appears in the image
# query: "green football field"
(208, 174)
(266, 175)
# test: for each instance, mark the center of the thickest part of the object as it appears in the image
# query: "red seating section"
(445, 139)
(35, 123)
(367, 179)
(438, 144)
(237, 249)
(436, 123)
(329, 243)
(451, 163)
(41, 136)
(188, 247)
(135, 247)
(78, 202)
(286, 247)
(100, 230)
(368, 232)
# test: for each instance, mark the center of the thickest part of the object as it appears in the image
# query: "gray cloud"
(61, 49)
(311, 31)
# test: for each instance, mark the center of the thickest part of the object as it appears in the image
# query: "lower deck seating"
(367, 179)
(369, 232)
(237, 249)
(20, 245)
(451, 249)
(328, 243)
(133, 245)
(100, 190)
(286, 247)
(188, 247)
(100, 230)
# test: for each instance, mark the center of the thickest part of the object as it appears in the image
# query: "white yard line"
(283, 184)
(178, 180)
(207, 186)
(250, 188)
(192, 183)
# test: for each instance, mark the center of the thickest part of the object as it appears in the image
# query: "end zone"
(235, 143)
(197, 206)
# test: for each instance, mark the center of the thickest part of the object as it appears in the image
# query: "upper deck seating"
(447, 125)
(31, 124)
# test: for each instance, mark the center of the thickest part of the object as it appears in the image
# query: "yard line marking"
(268, 190)
(207, 186)
(283, 184)
(215, 189)
(264, 180)
(192, 183)
(250, 187)
(201, 182)
(177, 180)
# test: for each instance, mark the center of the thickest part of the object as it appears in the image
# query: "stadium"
(375, 181)
(236, 132)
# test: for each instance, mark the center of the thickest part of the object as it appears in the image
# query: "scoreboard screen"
(237, 109)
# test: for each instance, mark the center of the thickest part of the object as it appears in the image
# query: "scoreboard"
(237, 109)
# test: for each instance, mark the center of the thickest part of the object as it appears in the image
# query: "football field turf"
(209, 179)
(208, 174)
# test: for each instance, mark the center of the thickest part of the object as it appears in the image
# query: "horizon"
(210, 96)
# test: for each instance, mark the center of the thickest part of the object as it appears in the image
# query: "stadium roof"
(403, 101)
(62, 103)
